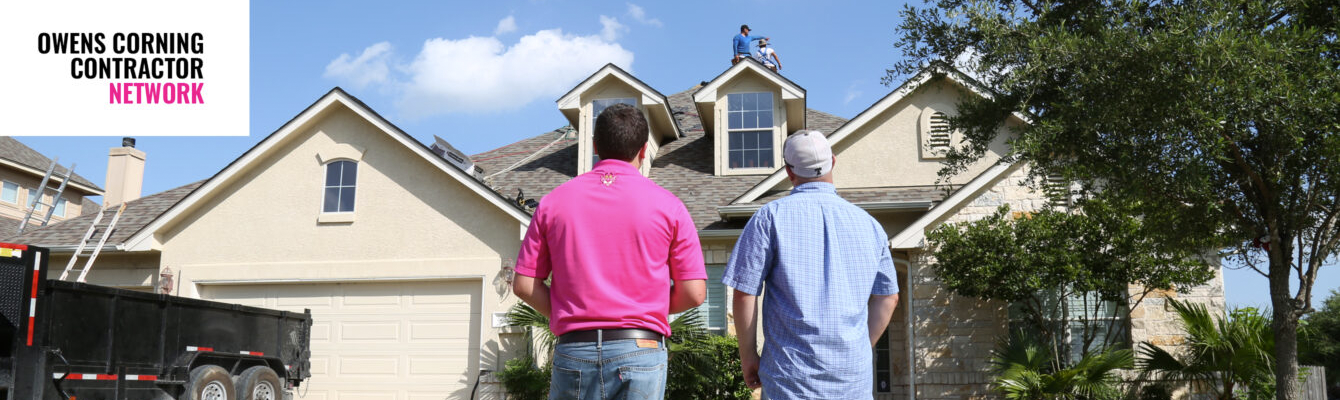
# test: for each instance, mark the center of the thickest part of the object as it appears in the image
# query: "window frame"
(773, 134)
(1120, 317)
(340, 186)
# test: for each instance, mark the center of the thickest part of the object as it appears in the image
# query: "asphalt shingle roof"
(139, 213)
(683, 166)
(897, 194)
(13, 150)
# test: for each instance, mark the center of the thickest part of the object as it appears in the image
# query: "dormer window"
(750, 131)
(598, 106)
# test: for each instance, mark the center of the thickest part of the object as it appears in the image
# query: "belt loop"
(600, 338)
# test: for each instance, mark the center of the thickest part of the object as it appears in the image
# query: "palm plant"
(1227, 355)
(1024, 370)
(536, 324)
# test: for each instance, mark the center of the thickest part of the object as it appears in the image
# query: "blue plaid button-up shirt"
(821, 258)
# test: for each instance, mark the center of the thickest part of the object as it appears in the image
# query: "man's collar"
(815, 187)
(616, 166)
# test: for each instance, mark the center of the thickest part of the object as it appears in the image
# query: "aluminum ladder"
(83, 243)
(41, 193)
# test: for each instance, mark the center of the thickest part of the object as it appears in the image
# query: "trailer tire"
(259, 383)
(209, 382)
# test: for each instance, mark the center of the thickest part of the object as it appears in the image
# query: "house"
(21, 172)
(405, 259)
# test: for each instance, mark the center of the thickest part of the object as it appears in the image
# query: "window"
(60, 208)
(340, 179)
(714, 309)
(10, 192)
(598, 106)
(749, 130)
(883, 364)
(1083, 321)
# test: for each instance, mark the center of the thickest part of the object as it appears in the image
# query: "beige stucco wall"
(888, 150)
(411, 221)
(27, 188)
(747, 81)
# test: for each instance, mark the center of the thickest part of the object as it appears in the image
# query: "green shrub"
(523, 380)
(706, 369)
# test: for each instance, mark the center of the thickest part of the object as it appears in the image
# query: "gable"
(273, 209)
(333, 102)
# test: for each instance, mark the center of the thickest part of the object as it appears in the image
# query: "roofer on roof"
(768, 56)
(741, 44)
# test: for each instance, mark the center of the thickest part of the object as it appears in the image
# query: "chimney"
(125, 173)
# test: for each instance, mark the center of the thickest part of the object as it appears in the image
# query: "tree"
(1231, 355)
(1218, 120)
(1319, 341)
(1038, 260)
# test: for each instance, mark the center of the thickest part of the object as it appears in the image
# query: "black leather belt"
(608, 335)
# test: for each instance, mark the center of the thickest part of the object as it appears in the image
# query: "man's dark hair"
(620, 132)
(743, 27)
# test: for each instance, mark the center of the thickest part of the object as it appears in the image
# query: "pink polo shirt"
(613, 240)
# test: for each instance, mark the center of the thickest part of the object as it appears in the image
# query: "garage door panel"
(382, 341)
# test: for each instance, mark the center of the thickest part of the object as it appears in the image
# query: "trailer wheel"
(209, 382)
(259, 383)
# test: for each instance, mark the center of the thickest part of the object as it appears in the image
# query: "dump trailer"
(64, 340)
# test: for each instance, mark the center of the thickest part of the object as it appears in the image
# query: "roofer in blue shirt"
(830, 282)
(741, 44)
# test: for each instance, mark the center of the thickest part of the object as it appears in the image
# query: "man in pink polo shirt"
(612, 241)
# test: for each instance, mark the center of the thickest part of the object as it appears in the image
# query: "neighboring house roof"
(935, 70)
(24, 158)
(142, 239)
(138, 213)
(684, 166)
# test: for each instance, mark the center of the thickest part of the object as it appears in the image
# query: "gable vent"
(939, 131)
(1057, 190)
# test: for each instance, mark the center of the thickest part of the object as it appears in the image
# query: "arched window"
(341, 177)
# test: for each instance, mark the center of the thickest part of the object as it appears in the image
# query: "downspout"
(911, 336)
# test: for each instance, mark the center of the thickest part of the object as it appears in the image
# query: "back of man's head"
(620, 132)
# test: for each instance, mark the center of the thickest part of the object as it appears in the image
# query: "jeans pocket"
(643, 383)
(565, 384)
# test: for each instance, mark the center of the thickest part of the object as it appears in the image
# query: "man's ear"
(642, 153)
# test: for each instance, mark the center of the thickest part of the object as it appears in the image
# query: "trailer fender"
(234, 363)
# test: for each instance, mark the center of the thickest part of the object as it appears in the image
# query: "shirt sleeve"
(533, 259)
(886, 277)
(686, 253)
(753, 257)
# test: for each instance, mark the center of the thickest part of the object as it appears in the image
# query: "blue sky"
(486, 74)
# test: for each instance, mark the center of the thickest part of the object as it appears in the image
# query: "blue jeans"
(610, 370)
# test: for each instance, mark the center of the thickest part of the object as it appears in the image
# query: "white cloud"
(483, 74)
(507, 25)
(368, 68)
(640, 15)
(852, 93)
(611, 28)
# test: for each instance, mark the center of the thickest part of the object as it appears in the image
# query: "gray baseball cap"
(808, 154)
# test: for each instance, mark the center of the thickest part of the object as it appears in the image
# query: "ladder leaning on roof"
(106, 232)
(42, 191)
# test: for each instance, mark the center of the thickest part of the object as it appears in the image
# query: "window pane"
(346, 199)
(750, 101)
(735, 140)
(736, 120)
(750, 159)
(765, 140)
(736, 157)
(764, 101)
(332, 200)
(350, 172)
(734, 102)
(750, 120)
(60, 208)
(333, 174)
(765, 158)
(765, 119)
(750, 140)
(10, 192)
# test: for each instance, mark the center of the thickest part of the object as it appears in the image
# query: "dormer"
(609, 86)
(750, 110)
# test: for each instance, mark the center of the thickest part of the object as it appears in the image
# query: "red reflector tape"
(13, 246)
(86, 377)
(194, 348)
(141, 378)
(32, 307)
(252, 353)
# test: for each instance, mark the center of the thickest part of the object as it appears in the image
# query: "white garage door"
(380, 341)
